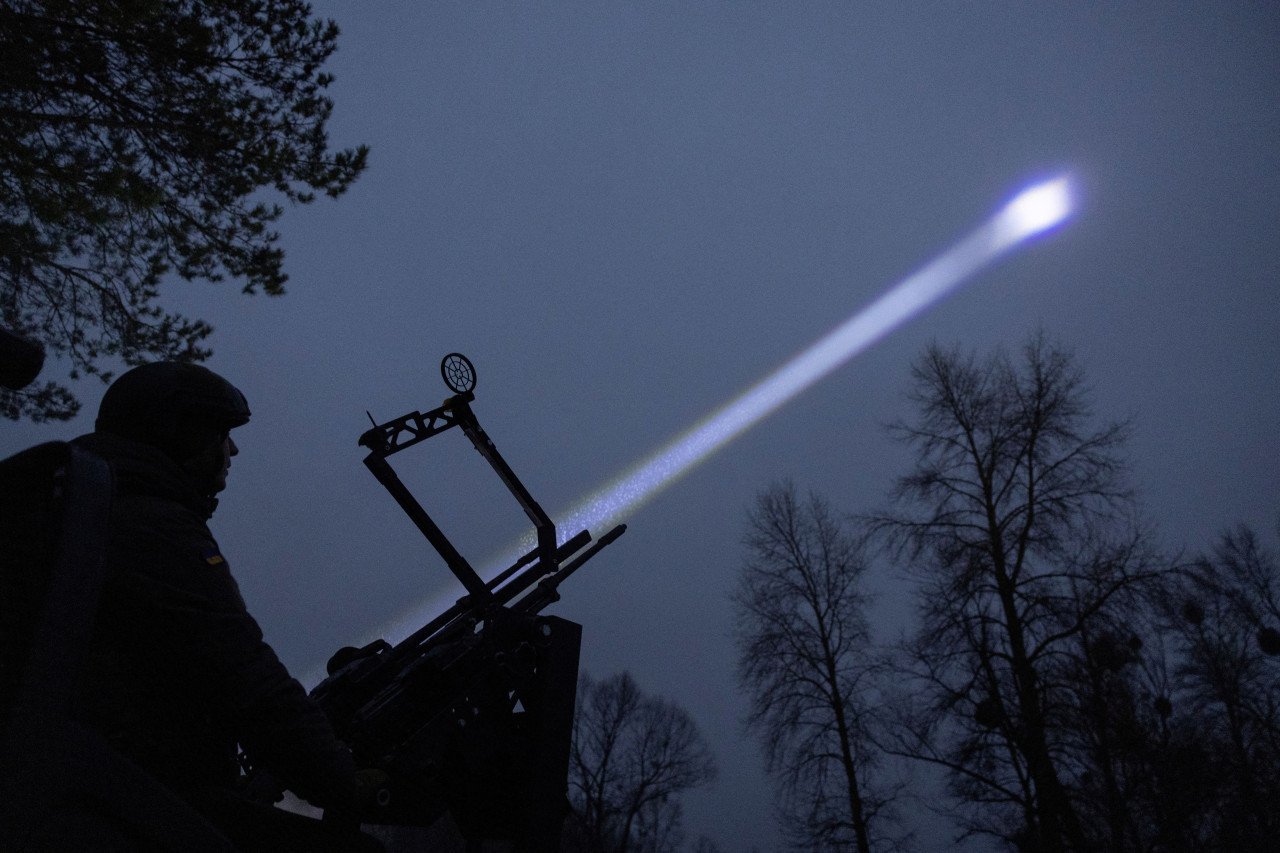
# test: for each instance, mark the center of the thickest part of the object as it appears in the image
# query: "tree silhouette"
(1080, 691)
(1224, 698)
(804, 660)
(135, 141)
(1019, 525)
(632, 756)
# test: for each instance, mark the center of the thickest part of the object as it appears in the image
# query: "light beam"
(1034, 211)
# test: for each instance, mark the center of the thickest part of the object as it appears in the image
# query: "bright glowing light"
(1033, 211)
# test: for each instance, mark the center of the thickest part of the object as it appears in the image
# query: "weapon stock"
(472, 713)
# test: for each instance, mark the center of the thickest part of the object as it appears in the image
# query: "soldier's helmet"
(180, 408)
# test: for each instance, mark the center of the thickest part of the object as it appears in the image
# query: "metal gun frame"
(472, 713)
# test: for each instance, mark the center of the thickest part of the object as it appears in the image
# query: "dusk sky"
(626, 214)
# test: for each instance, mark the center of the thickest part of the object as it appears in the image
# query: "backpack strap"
(52, 765)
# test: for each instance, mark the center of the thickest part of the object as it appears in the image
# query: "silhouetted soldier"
(177, 672)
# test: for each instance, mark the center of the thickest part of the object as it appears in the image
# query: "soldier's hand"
(372, 788)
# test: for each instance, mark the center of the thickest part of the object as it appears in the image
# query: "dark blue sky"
(624, 214)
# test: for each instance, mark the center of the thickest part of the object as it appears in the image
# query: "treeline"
(1076, 688)
(1079, 689)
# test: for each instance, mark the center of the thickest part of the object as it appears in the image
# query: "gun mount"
(473, 713)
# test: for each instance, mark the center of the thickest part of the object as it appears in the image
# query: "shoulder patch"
(212, 557)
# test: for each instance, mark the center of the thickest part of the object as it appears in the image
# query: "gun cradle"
(478, 725)
(473, 713)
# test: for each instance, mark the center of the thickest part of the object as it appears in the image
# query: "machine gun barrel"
(547, 591)
(467, 611)
(563, 553)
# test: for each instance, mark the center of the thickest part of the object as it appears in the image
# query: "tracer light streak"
(1033, 211)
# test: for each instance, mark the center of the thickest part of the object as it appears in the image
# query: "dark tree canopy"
(135, 138)
(632, 757)
(1222, 701)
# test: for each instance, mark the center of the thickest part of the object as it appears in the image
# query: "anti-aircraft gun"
(472, 714)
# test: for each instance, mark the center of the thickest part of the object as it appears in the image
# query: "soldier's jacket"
(178, 671)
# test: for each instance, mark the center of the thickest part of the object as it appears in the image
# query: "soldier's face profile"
(228, 449)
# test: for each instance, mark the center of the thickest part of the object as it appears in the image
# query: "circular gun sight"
(458, 373)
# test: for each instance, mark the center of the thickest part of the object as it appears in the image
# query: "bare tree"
(1222, 615)
(1018, 523)
(804, 660)
(633, 755)
(1178, 712)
